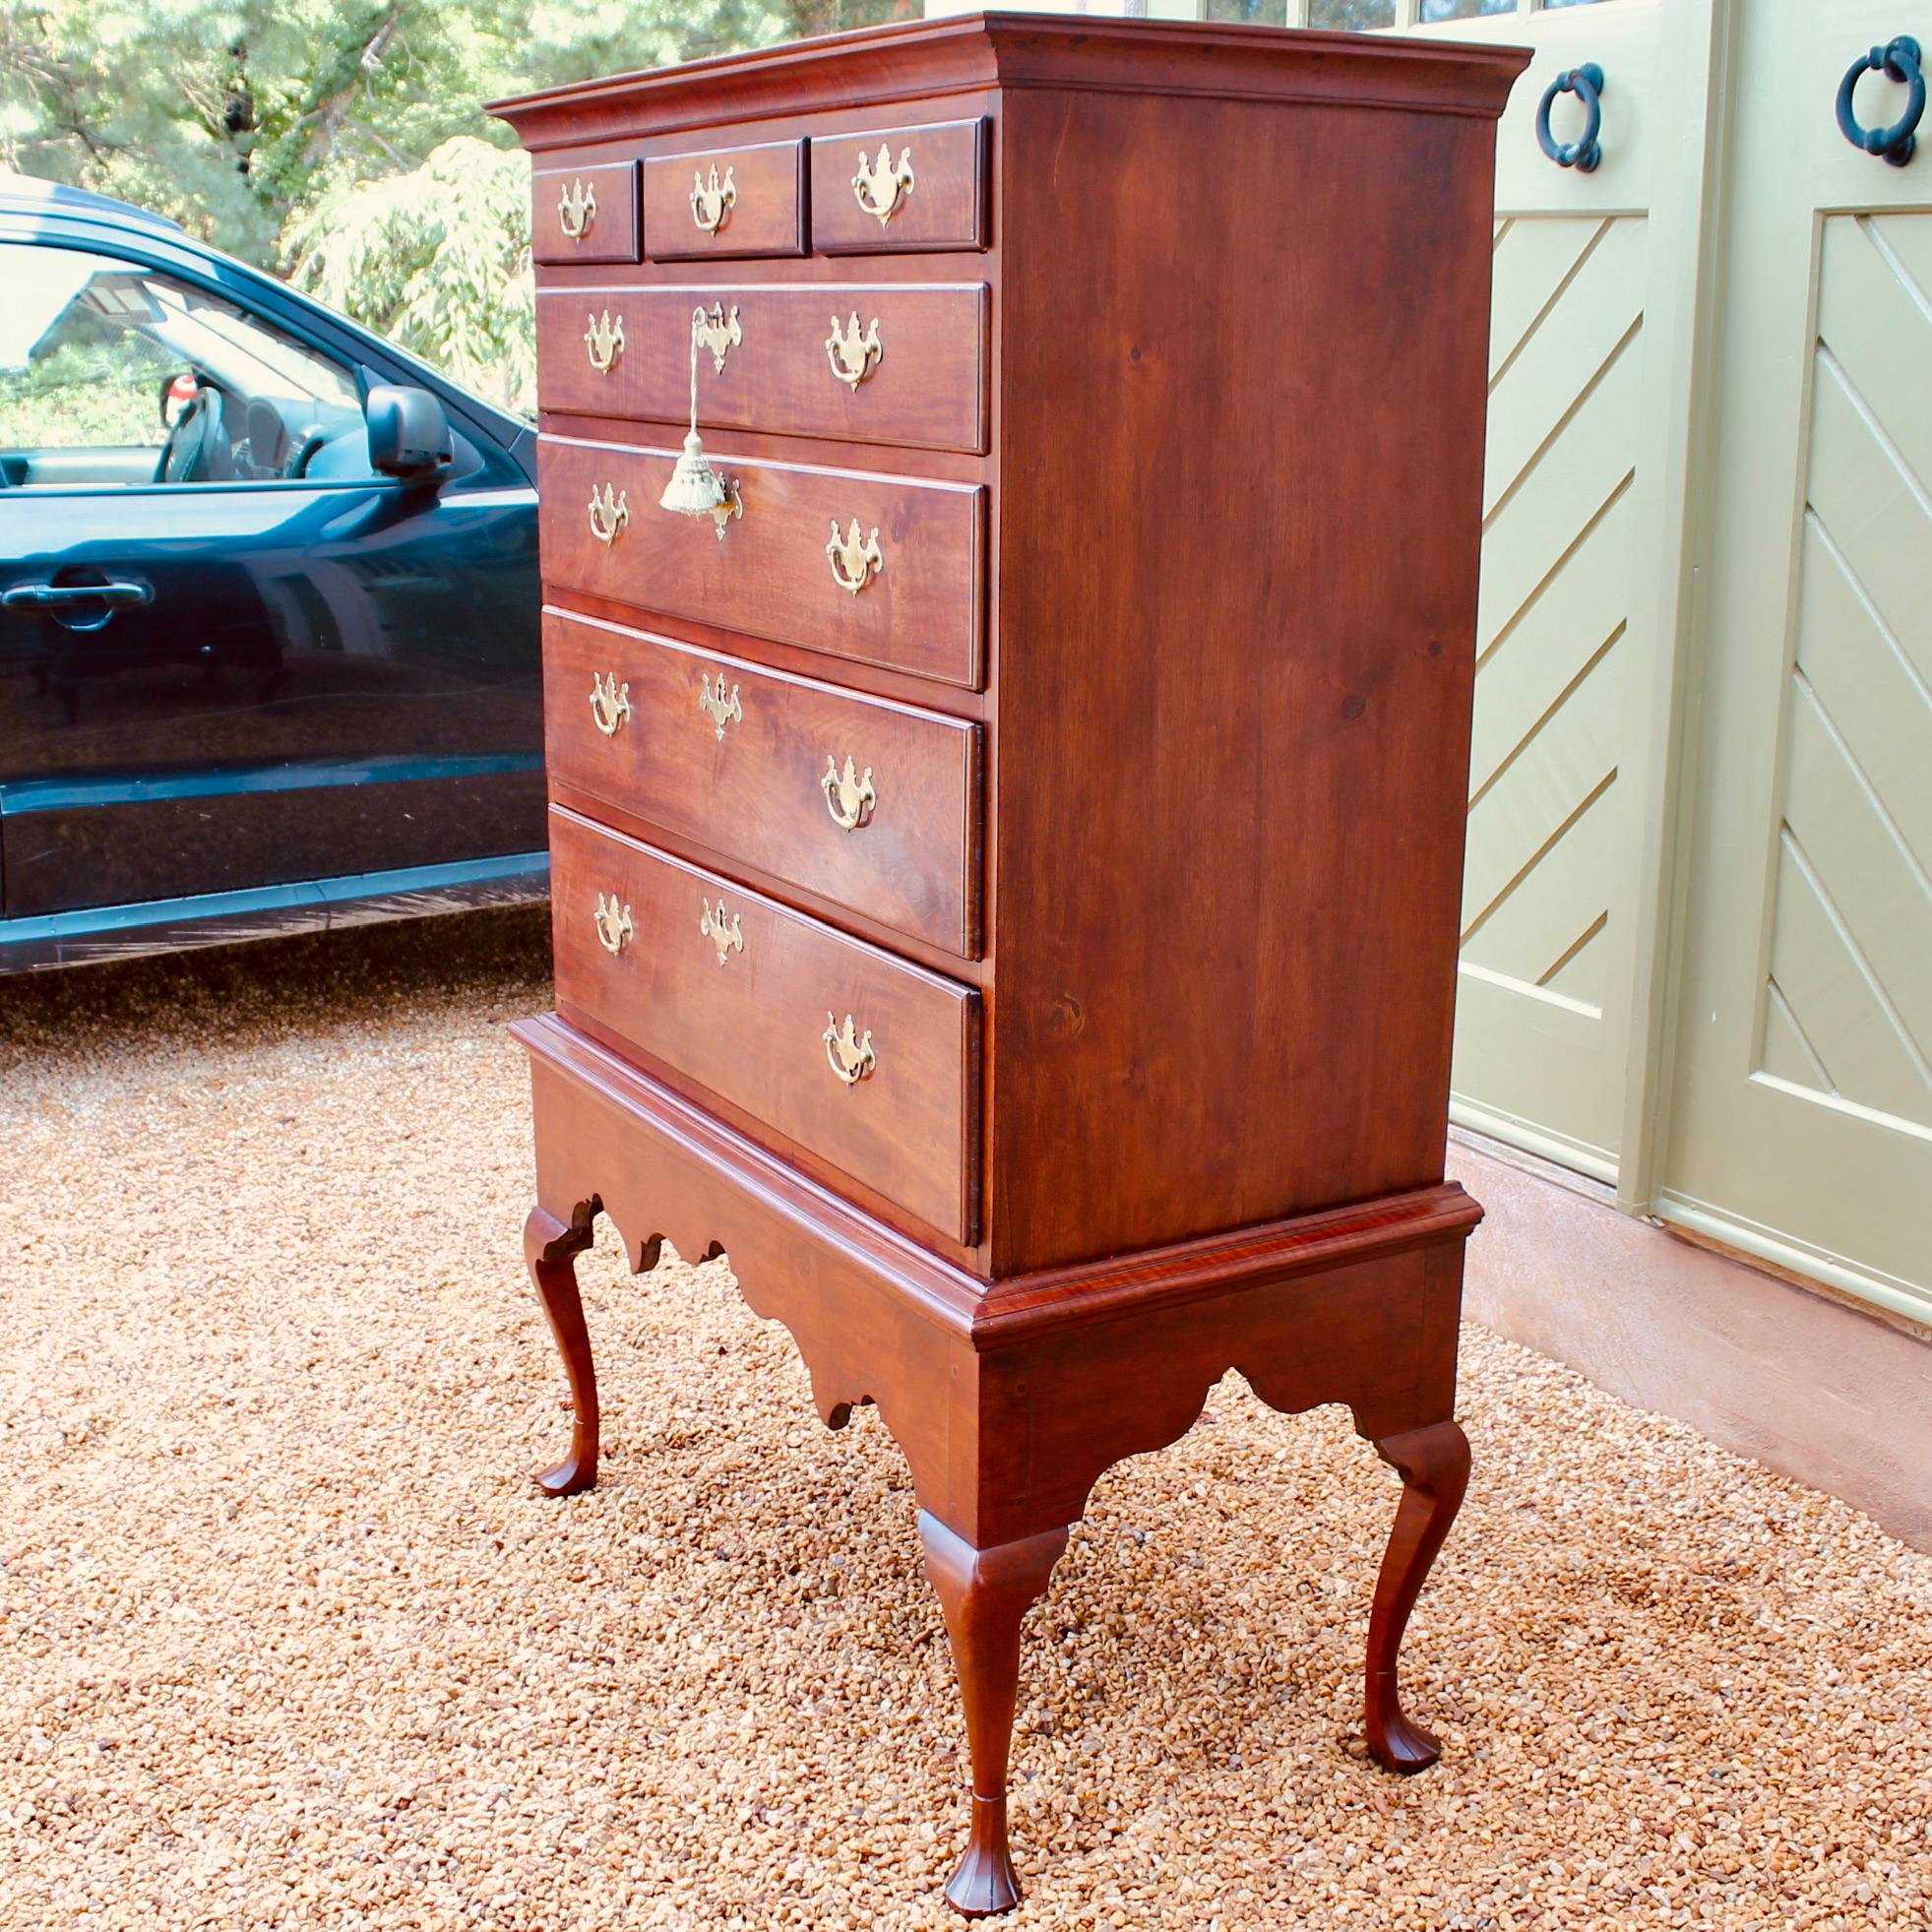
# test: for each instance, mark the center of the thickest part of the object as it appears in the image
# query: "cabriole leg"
(984, 1593)
(551, 1247)
(1434, 1465)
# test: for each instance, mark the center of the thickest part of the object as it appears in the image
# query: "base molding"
(1789, 1374)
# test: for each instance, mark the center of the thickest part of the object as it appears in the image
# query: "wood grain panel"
(755, 794)
(751, 1027)
(610, 234)
(770, 576)
(944, 207)
(927, 388)
(765, 216)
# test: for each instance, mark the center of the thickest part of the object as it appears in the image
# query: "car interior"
(113, 374)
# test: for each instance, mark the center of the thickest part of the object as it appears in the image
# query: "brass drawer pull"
(853, 355)
(605, 341)
(849, 1056)
(716, 705)
(853, 564)
(613, 923)
(718, 333)
(879, 187)
(726, 938)
(848, 798)
(713, 200)
(577, 209)
(610, 702)
(609, 512)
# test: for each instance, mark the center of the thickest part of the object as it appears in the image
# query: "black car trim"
(97, 934)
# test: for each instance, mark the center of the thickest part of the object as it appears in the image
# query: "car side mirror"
(409, 436)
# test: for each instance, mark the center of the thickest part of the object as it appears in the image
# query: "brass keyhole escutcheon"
(853, 355)
(726, 938)
(854, 563)
(613, 923)
(848, 796)
(610, 702)
(577, 209)
(609, 512)
(879, 187)
(716, 705)
(711, 198)
(719, 334)
(849, 1056)
(605, 341)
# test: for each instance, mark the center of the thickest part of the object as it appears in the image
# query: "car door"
(231, 654)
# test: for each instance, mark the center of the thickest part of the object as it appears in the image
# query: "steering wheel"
(184, 456)
(311, 440)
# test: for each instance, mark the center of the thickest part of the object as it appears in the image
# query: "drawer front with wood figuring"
(879, 190)
(585, 214)
(885, 570)
(855, 363)
(866, 1060)
(872, 804)
(720, 202)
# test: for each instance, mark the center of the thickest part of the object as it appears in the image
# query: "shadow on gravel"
(499, 958)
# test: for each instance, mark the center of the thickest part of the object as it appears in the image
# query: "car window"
(114, 373)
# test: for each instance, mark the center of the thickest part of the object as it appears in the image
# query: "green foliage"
(83, 396)
(269, 127)
(437, 260)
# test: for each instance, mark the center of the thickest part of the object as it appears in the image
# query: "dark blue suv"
(268, 605)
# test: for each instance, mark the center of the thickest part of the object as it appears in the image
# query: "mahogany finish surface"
(744, 1016)
(609, 234)
(755, 791)
(943, 207)
(919, 612)
(1146, 873)
(765, 214)
(925, 389)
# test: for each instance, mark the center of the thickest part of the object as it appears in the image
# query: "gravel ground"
(288, 1640)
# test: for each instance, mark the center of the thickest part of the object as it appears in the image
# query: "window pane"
(70, 377)
(1550, 4)
(1435, 10)
(1249, 13)
(1356, 14)
(168, 382)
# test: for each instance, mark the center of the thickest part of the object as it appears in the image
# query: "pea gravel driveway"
(288, 1640)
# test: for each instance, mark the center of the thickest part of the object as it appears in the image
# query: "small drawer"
(841, 360)
(720, 202)
(864, 1059)
(585, 214)
(876, 190)
(872, 804)
(885, 570)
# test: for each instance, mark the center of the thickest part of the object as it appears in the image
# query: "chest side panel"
(1232, 682)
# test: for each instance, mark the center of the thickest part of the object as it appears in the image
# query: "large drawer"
(860, 1057)
(872, 804)
(858, 363)
(784, 568)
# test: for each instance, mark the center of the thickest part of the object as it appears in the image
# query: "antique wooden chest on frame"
(1007, 837)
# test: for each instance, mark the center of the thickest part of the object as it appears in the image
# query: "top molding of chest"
(924, 61)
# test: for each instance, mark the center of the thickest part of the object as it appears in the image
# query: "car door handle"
(119, 594)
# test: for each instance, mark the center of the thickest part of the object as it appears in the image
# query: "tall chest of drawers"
(1005, 856)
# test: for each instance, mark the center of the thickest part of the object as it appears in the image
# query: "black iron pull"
(1898, 60)
(1583, 154)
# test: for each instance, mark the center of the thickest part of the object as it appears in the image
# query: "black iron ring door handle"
(1898, 61)
(1583, 154)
